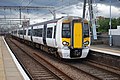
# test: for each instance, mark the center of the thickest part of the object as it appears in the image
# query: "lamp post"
(110, 41)
(110, 36)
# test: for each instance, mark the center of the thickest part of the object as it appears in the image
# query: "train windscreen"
(65, 30)
(86, 30)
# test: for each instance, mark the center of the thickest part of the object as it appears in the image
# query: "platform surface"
(106, 49)
(8, 69)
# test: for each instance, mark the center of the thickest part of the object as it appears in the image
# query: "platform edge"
(23, 73)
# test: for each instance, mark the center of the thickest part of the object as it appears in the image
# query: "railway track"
(105, 59)
(36, 67)
(95, 70)
(87, 69)
(99, 65)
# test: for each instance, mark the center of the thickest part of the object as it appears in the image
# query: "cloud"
(115, 3)
(73, 10)
(104, 10)
(68, 7)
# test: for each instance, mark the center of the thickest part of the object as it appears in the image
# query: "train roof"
(53, 21)
(50, 21)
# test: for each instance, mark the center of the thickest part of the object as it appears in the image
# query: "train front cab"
(75, 39)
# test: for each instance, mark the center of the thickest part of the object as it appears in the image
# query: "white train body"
(65, 37)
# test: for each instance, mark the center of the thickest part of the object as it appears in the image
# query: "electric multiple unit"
(66, 37)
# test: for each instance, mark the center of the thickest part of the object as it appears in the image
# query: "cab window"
(65, 30)
(86, 30)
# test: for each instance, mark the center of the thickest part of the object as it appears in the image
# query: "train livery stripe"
(77, 35)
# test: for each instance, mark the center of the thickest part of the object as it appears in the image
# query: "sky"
(62, 7)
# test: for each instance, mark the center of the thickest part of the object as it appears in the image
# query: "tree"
(104, 24)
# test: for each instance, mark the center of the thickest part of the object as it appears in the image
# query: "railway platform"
(8, 68)
(106, 49)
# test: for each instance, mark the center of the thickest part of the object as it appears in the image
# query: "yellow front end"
(86, 42)
(77, 35)
(74, 40)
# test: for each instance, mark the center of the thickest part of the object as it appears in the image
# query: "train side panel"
(37, 31)
(28, 37)
(25, 33)
(21, 33)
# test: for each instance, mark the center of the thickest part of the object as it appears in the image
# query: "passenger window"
(34, 32)
(15, 32)
(37, 32)
(21, 32)
(40, 32)
(49, 32)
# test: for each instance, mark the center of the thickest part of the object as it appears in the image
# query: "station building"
(115, 36)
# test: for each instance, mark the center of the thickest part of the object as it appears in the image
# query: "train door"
(31, 34)
(77, 34)
(54, 36)
(19, 33)
(51, 30)
(44, 34)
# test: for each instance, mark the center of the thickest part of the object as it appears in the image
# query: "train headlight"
(86, 42)
(65, 43)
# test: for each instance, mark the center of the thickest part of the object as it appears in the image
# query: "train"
(65, 37)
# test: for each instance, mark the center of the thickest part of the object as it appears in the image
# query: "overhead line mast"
(92, 17)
